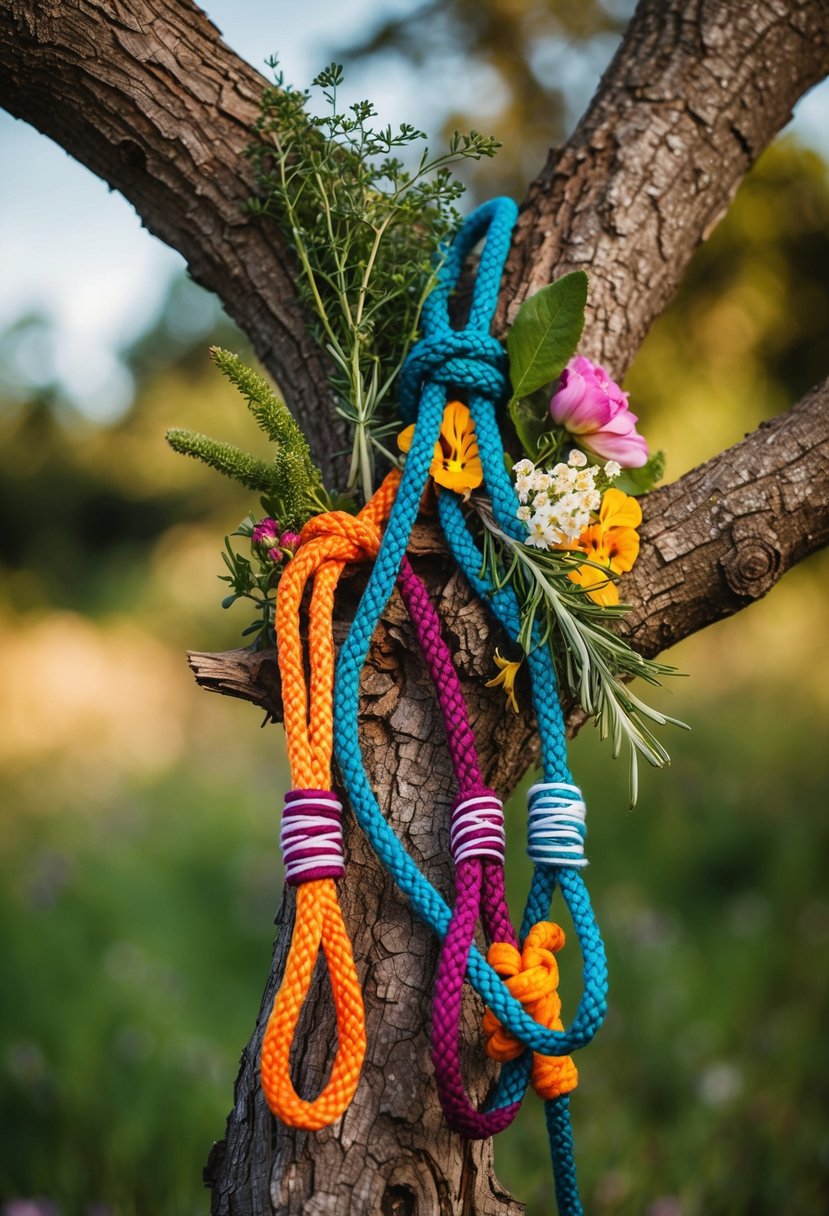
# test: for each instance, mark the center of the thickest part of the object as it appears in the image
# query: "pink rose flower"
(595, 411)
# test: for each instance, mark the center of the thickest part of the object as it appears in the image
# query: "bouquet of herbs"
(367, 227)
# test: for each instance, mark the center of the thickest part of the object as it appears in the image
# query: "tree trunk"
(145, 93)
(717, 540)
(391, 1152)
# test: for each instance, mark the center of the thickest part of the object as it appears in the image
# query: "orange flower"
(613, 543)
(456, 463)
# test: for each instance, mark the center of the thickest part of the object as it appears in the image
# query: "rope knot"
(531, 975)
(360, 536)
(465, 359)
(556, 825)
(311, 836)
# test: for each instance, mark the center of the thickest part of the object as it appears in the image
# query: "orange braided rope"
(328, 543)
(531, 975)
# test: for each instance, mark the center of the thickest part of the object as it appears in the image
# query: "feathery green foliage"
(365, 230)
(225, 458)
(271, 414)
(291, 484)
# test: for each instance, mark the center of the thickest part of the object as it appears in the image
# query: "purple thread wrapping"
(478, 828)
(311, 836)
(478, 847)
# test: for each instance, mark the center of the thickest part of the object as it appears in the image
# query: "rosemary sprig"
(595, 663)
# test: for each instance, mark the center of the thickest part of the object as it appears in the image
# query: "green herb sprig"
(290, 483)
(365, 229)
(594, 662)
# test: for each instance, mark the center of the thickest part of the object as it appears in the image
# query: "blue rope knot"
(468, 358)
(556, 825)
(465, 359)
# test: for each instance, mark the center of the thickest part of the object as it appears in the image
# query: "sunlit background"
(138, 861)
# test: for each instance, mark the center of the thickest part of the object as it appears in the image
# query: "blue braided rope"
(444, 360)
(428, 902)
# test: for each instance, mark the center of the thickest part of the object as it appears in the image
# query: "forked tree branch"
(694, 94)
(146, 95)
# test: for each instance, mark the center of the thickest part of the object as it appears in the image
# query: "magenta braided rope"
(478, 848)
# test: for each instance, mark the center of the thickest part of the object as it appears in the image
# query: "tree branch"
(712, 542)
(693, 96)
(725, 533)
(147, 96)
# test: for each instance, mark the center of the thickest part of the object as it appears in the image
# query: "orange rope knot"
(311, 839)
(531, 975)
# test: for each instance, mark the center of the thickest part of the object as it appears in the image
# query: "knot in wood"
(132, 154)
(751, 567)
(399, 1201)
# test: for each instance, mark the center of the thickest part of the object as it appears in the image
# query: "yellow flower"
(619, 510)
(507, 671)
(613, 543)
(456, 463)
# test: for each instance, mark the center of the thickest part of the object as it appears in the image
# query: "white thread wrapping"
(556, 824)
(478, 828)
(321, 833)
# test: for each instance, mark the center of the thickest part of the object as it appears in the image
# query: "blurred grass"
(706, 1091)
(137, 938)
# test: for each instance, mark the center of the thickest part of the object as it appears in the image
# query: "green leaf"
(545, 333)
(639, 481)
(531, 419)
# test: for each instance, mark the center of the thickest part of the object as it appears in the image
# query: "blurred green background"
(138, 864)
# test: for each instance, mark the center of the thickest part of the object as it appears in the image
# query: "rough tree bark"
(145, 93)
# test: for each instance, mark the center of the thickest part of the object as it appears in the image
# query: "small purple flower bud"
(289, 542)
(265, 532)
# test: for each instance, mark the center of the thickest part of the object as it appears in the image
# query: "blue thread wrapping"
(556, 825)
(443, 361)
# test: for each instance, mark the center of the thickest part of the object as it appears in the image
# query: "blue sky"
(75, 251)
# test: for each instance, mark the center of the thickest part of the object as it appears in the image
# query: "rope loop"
(556, 825)
(468, 358)
(454, 359)
(311, 832)
(425, 377)
(318, 925)
(361, 533)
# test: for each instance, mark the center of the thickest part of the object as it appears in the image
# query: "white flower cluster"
(556, 504)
